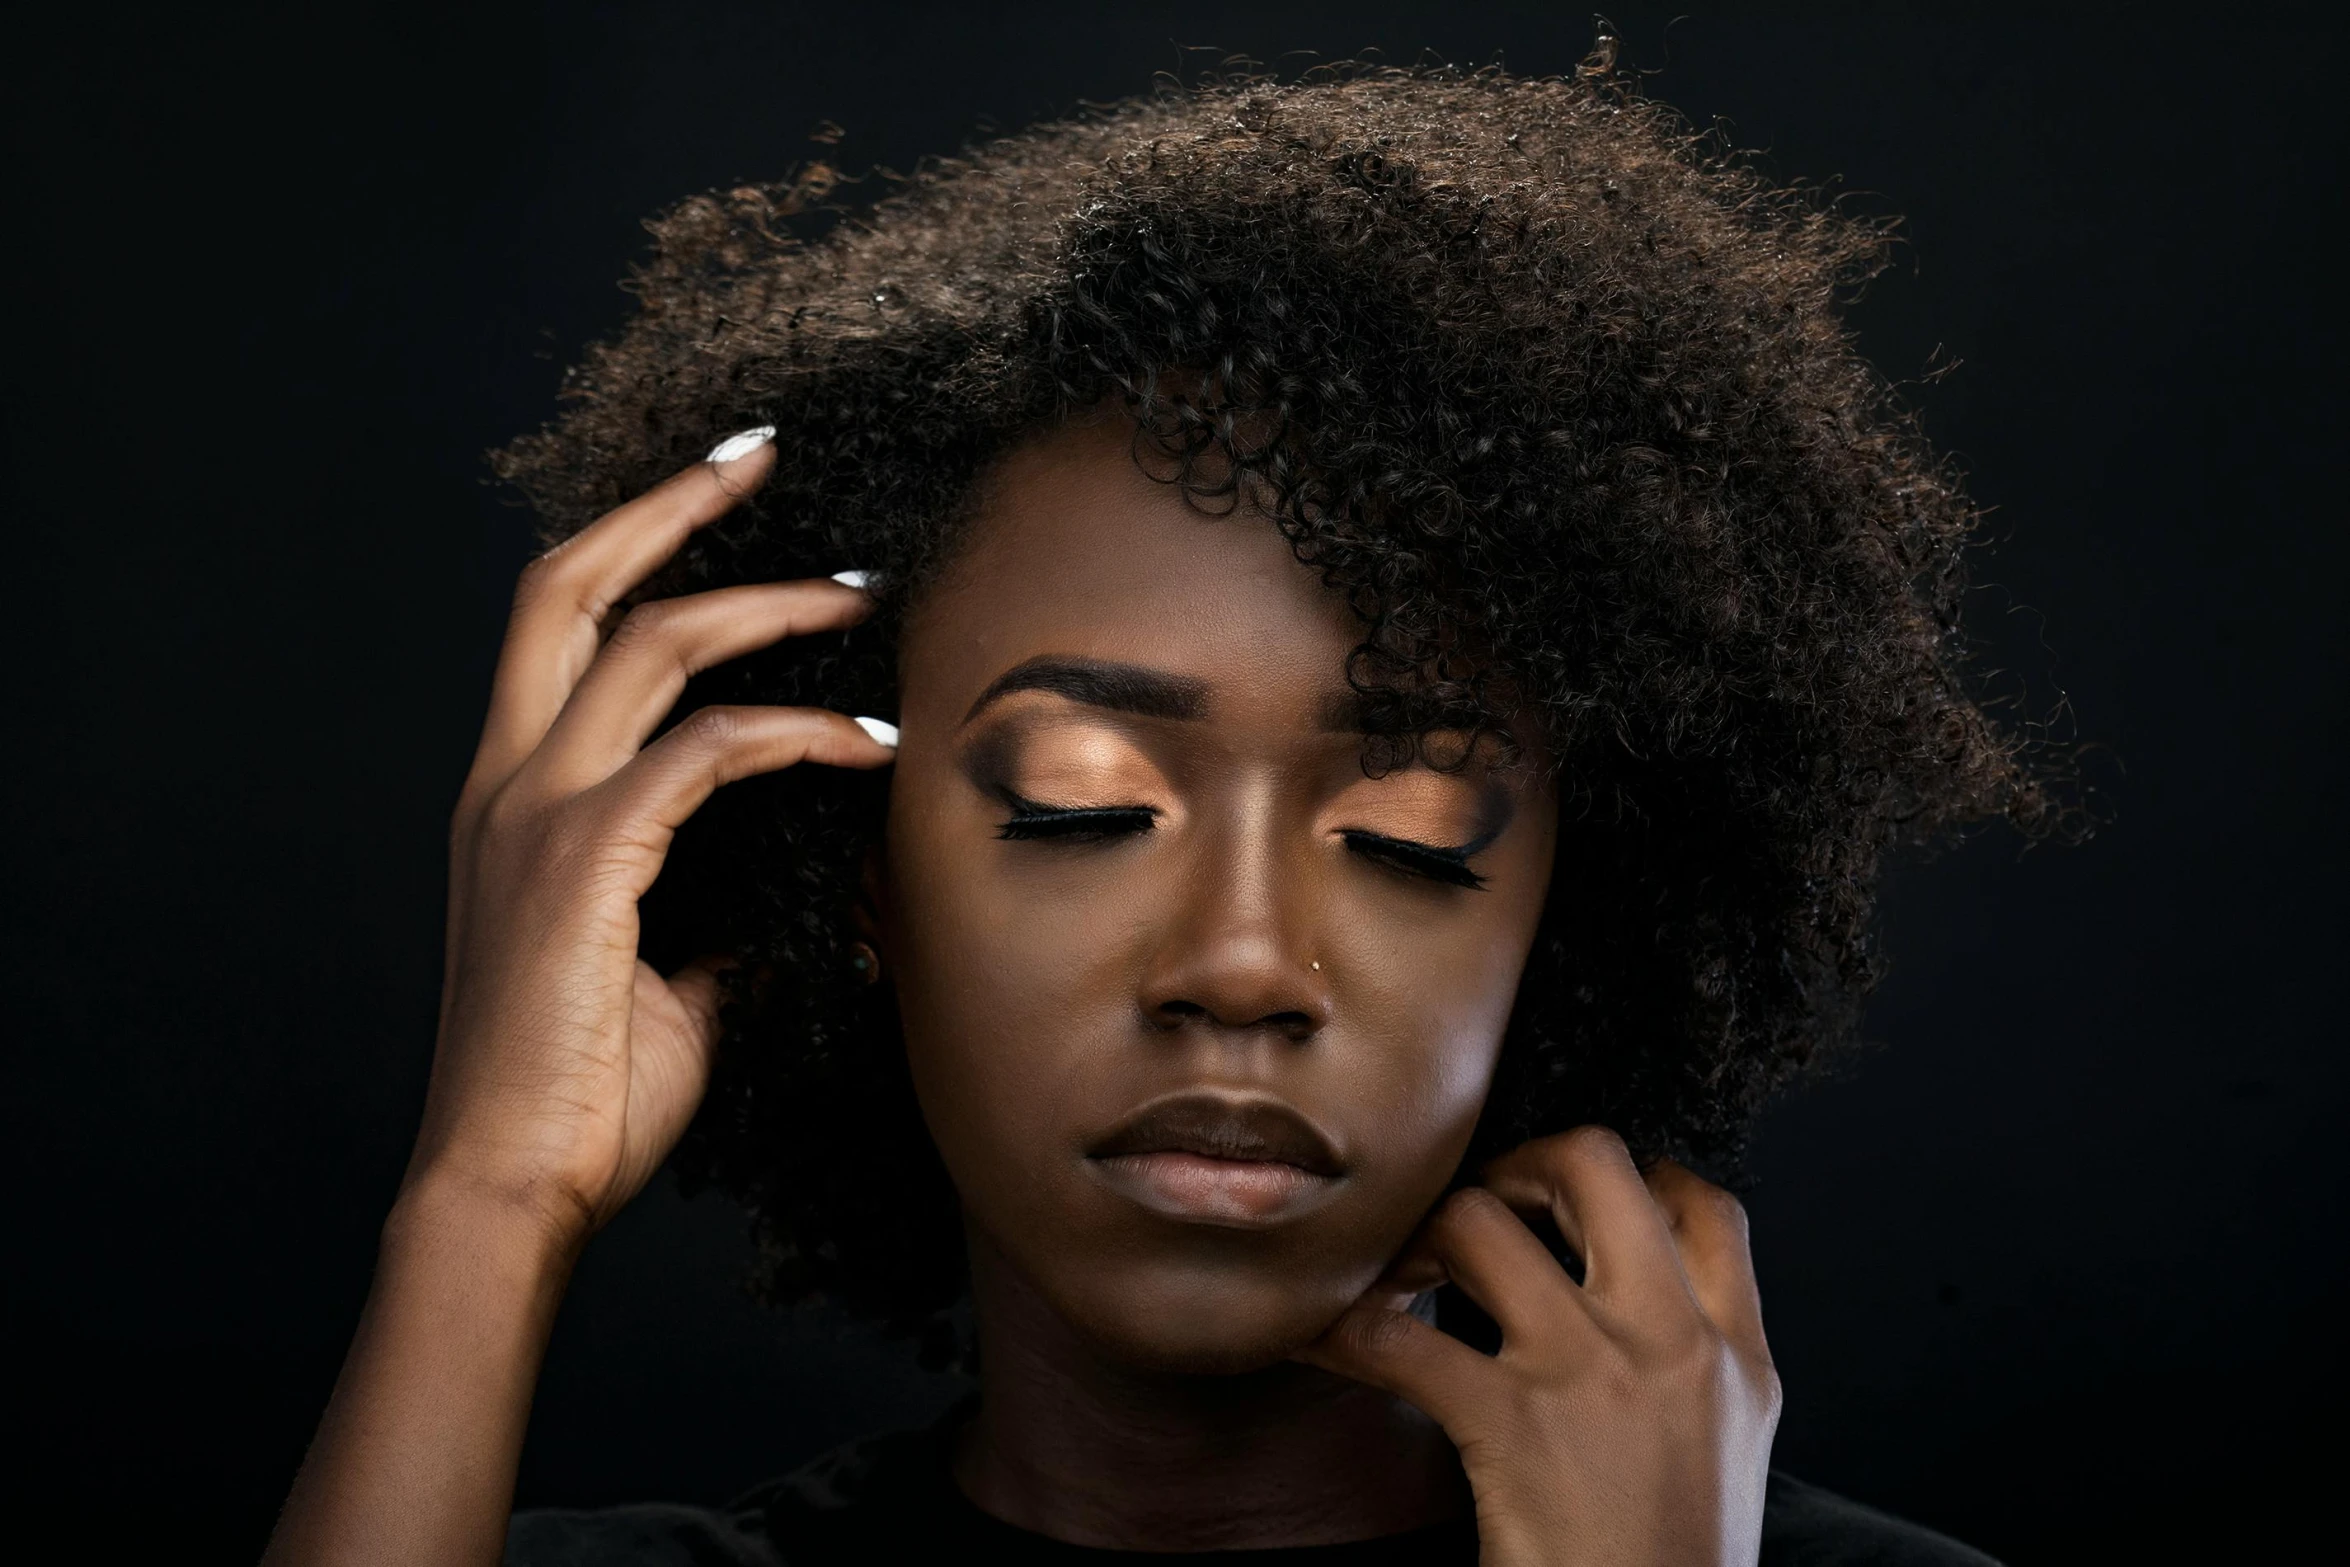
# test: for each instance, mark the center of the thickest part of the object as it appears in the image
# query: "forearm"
(414, 1459)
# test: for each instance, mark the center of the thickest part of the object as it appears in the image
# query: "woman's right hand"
(566, 1067)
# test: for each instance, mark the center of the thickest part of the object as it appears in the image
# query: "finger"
(1398, 1353)
(565, 594)
(1498, 1262)
(1413, 1271)
(645, 802)
(1708, 1226)
(1586, 1180)
(643, 668)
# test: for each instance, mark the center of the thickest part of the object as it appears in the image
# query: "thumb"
(1398, 1353)
(697, 991)
(674, 1035)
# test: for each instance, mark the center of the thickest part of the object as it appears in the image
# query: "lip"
(1243, 1163)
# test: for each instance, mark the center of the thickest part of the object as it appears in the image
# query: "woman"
(1313, 678)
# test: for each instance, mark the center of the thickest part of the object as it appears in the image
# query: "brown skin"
(1050, 988)
(1151, 1380)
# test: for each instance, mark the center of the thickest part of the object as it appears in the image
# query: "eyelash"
(1098, 824)
(1450, 866)
(1091, 824)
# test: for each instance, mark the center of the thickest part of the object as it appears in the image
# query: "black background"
(2058, 1269)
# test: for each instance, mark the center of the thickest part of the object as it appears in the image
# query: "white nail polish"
(853, 579)
(742, 445)
(887, 734)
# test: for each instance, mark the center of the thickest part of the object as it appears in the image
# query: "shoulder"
(1804, 1526)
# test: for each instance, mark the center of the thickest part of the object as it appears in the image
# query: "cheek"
(1419, 1090)
(1435, 995)
(1006, 996)
(1446, 986)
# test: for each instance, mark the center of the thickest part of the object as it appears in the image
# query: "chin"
(1200, 1322)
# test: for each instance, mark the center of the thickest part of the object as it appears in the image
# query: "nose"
(1237, 946)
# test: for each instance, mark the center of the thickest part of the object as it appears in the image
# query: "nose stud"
(1317, 967)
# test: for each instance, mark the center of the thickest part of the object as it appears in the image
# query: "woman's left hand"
(1627, 1419)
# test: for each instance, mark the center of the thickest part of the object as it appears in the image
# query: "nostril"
(1171, 1014)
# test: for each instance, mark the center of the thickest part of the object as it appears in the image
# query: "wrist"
(415, 1457)
(501, 1232)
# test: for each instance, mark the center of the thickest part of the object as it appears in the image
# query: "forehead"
(1073, 550)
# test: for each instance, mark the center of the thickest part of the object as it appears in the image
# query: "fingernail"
(886, 733)
(742, 445)
(853, 579)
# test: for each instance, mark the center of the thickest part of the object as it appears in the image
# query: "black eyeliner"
(1029, 820)
(1444, 864)
(1447, 863)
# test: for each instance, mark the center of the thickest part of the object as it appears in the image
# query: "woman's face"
(1200, 1016)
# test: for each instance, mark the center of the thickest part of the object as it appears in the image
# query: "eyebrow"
(1122, 688)
(1143, 691)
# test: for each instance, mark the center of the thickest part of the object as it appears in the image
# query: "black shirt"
(893, 1498)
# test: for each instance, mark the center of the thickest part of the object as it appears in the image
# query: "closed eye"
(1074, 824)
(1437, 863)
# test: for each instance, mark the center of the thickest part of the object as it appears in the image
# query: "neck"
(1073, 1445)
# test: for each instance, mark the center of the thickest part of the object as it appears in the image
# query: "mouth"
(1211, 1159)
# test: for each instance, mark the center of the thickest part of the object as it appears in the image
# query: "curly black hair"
(1523, 367)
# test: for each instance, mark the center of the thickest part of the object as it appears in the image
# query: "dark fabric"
(892, 1498)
